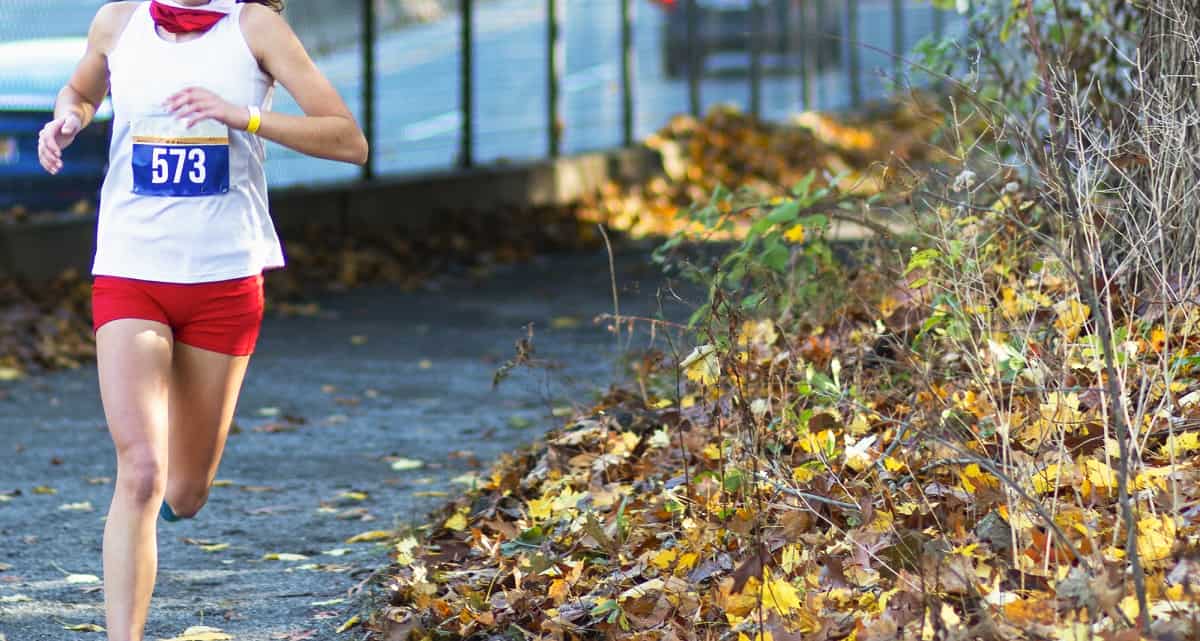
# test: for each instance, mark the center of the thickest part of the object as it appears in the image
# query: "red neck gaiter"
(176, 20)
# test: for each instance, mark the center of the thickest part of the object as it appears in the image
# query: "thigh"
(133, 357)
(204, 393)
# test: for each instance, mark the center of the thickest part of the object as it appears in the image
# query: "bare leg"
(204, 393)
(134, 360)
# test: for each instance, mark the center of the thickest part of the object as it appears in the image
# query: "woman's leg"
(134, 360)
(204, 393)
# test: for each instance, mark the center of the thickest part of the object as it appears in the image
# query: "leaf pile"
(933, 461)
(732, 149)
(46, 328)
(49, 327)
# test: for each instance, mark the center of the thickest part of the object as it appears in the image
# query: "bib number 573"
(163, 159)
(180, 170)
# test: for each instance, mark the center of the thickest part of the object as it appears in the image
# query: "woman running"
(183, 238)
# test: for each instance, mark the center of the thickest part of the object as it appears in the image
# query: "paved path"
(414, 384)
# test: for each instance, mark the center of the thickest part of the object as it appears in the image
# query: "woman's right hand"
(57, 135)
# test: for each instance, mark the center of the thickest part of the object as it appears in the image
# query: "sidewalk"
(333, 412)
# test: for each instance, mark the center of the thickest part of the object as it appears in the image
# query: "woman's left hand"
(195, 104)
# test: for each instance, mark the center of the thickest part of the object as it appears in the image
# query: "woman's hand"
(57, 135)
(195, 104)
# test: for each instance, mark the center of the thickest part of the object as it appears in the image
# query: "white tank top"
(184, 205)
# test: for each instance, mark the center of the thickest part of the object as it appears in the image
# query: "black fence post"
(554, 65)
(898, 41)
(853, 60)
(808, 63)
(368, 85)
(757, 31)
(466, 152)
(694, 59)
(627, 73)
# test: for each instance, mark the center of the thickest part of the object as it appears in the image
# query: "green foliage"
(1090, 44)
(780, 259)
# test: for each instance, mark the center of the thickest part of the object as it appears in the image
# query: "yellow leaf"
(802, 474)
(83, 627)
(1046, 479)
(1180, 444)
(540, 508)
(567, 500)
(779, 595)
(892, 464)
(1099, 474)
(664, 559)
(367, 537)
(558, 591)
(44, 489)
(215, 547)
(458, 522)
(712, 452)
(201, 633)
(687, 561)
(1071, 316)
(795, 234)
(350, 623)
(10, 374)
(1155, 538)
(702, 365)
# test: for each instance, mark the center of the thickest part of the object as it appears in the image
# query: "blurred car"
(728, 26)
(31, 74)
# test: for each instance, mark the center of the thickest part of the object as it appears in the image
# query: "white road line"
(449, 121)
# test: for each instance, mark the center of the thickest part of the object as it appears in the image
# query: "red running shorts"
(222, 317)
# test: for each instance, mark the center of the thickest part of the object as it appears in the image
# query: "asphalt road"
(381, 380)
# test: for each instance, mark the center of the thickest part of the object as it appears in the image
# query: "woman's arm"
(327, 130)
(78, 100)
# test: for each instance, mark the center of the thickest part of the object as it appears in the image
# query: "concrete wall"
(40, 251)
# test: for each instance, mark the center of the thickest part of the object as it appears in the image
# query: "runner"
(182, 241)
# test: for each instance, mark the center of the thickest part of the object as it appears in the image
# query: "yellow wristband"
(255, 119)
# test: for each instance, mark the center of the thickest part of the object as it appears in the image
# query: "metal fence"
(482, 81)
(439, 84)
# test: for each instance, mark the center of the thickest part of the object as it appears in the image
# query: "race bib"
(171, 160)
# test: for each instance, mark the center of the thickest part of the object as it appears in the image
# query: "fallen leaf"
(201, 633)
(14, 598)
(350, 623)
(43, 489)
(404, 464)
(84, 627)
(367, 537)
(83, 506)
(284, 556)
(82, 579)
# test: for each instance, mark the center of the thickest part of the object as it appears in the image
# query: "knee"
(141, 475)
(187, 497)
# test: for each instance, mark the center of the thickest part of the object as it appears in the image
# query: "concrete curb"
(40, 251)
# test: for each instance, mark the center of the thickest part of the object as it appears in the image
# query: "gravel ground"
(333, 405)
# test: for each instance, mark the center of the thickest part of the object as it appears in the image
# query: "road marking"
(449, 121)
(431, 127)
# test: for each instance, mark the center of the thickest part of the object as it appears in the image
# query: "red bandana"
(177, 20)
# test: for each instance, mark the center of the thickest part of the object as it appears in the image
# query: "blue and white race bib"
(171, 160)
